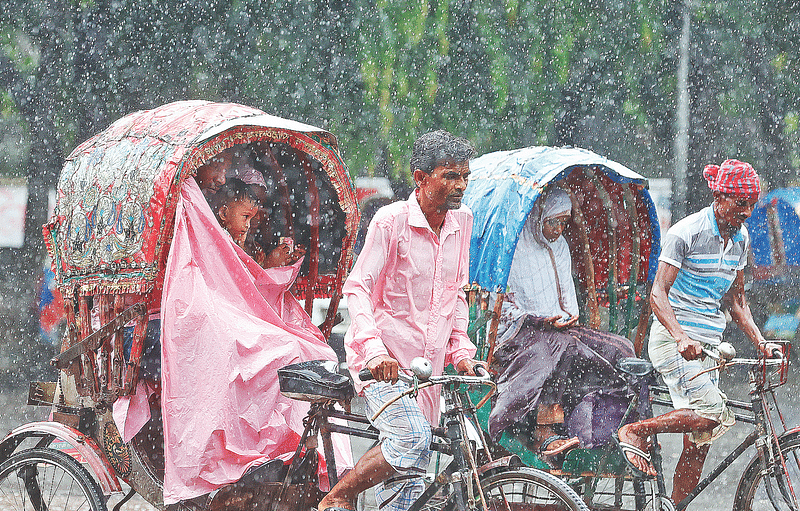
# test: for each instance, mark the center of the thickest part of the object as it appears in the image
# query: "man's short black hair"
(438, 148)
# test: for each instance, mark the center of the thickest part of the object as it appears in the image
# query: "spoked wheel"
(47, 480)
(617, 493)
(752, 491)
(526, 489)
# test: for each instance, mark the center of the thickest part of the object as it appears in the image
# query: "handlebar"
(777, 361)
(421, 369)
(725, 353)
(421, 377)
(482, 376)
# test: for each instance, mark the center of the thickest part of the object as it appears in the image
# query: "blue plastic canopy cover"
(787, 206)
(504, 185)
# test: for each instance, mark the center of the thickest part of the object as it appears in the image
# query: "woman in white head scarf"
(540, 280)
(544, 358)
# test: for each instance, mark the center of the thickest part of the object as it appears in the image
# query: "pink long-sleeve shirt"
(405, 293)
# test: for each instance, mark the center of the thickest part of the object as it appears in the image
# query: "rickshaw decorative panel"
(118, 191)
(591, 185)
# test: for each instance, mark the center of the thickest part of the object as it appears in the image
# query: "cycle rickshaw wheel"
(47, 479)
(529, 490)
(752, 495)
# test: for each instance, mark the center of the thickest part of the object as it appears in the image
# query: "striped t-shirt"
(707, 270)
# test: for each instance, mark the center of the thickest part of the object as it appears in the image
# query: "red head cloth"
(733, 177)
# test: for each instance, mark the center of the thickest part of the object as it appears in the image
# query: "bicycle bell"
(422, 368)
(726, 351)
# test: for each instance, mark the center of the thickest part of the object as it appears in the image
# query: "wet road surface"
(14, 412)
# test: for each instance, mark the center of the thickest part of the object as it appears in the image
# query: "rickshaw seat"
(315, 380)
(635, 366)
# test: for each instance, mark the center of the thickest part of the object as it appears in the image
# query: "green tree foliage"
(505, 73)
(599, 74)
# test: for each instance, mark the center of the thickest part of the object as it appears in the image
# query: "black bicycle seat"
(315, 380)
(635, 366)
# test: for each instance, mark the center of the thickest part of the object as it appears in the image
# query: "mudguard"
(506, 462)
(84, 445)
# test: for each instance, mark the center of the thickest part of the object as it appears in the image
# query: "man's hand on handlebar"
(383, 368)
(770, 349)
(472, 367)
(689, 348)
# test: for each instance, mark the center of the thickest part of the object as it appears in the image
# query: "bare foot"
(626, 436)
(562, 445)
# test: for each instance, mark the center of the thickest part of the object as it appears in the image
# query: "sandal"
(626, 449)
(569, 444)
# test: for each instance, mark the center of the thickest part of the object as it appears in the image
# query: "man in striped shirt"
(700, 270)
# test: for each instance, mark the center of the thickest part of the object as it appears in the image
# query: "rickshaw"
(776, 262)
(614, 240)
(110, 240)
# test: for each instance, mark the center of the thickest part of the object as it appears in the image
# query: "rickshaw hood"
(502, 189)
(117, 192)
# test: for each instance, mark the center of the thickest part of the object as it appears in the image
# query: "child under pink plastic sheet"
(228, 326)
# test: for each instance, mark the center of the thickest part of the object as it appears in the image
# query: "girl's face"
(236, 217)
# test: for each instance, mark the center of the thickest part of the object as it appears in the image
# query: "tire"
(751, 493)
(529, 489)
(46, 479)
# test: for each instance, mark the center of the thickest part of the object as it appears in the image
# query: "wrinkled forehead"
(741, 198)
(453, 166)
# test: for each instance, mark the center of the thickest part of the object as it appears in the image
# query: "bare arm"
(659, 302)
(739, 309)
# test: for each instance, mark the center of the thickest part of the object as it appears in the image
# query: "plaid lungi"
(687, 390)
(405, 437)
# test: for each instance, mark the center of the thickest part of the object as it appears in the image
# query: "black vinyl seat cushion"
(315, 380)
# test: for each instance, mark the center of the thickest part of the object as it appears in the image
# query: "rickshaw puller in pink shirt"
(406, 300)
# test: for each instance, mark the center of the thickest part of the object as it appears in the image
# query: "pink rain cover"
(228, 326)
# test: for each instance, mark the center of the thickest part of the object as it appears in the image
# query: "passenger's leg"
(689, 469)
(550, 428)
(548, 417)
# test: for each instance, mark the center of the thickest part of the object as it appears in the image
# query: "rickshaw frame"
(151, 153)
(503, 189)
(614, 238)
